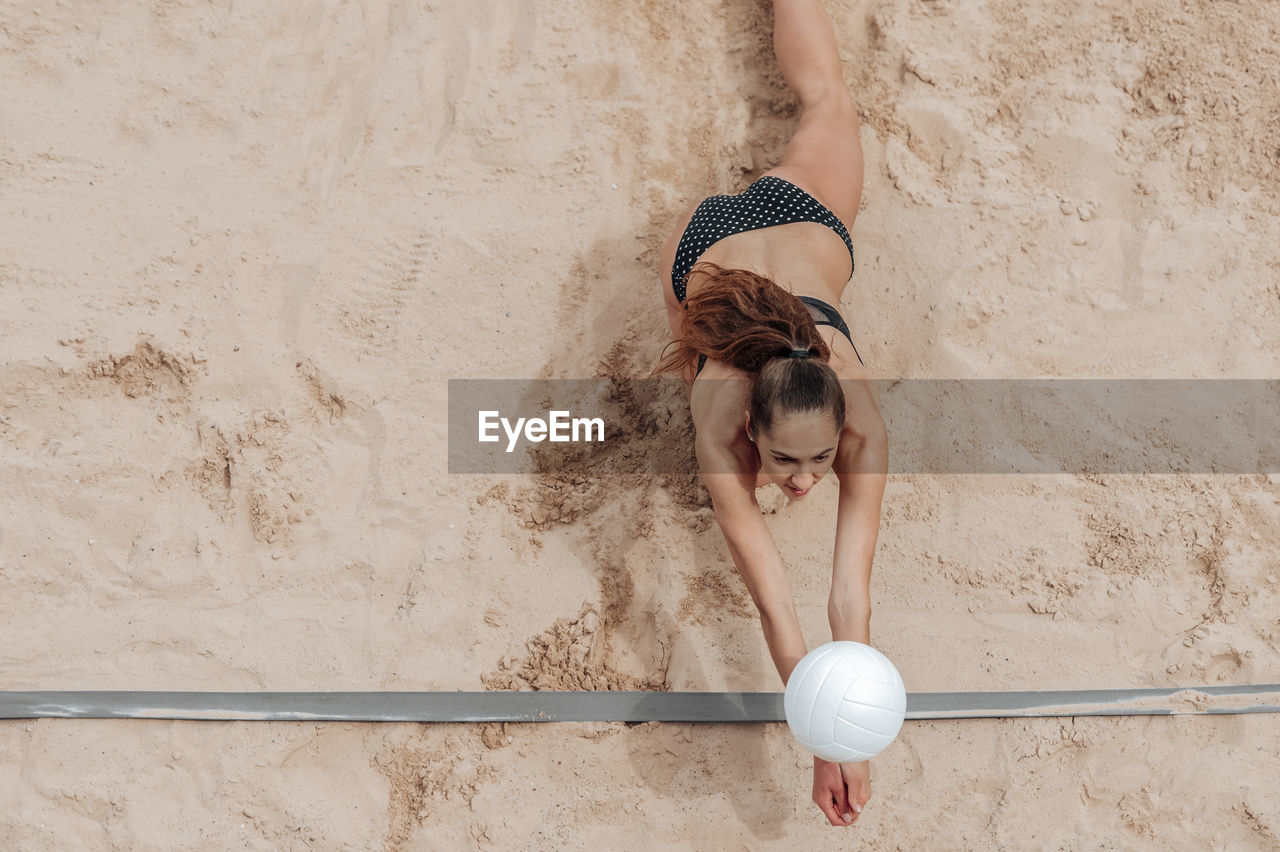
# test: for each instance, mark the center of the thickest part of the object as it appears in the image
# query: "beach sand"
(246, 247)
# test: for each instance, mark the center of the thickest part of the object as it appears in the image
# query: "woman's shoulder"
(718, 404)
(718, 398)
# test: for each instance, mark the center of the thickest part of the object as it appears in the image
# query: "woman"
(779, 395)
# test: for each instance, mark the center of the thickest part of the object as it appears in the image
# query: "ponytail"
(751, 323)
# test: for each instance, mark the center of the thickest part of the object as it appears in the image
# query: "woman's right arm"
(753, 550)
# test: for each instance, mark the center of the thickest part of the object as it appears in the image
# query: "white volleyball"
(845, 702)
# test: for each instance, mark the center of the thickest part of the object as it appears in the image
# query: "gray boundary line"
(557, 706)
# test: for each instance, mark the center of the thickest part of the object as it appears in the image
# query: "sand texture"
(244, 247)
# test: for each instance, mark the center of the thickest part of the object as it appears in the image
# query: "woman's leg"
(824, 156)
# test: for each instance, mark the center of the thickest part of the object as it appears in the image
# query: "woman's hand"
(841, 788)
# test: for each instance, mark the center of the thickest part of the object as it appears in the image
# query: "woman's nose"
(802, 481)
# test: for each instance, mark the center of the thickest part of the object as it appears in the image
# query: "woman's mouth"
(796, 492)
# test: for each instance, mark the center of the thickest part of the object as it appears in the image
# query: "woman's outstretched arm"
(753, 550)
(861, 465)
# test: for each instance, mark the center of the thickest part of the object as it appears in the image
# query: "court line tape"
(558, 706)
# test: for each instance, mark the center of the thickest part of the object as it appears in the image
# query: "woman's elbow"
(870, 425)
(868, 434)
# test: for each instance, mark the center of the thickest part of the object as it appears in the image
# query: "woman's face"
(797, 451)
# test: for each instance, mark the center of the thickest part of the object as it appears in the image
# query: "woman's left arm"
(861, 466)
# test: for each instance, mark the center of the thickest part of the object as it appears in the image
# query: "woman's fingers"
(862, 795)
(843, 810)
(828, 808)
(830, 792)
(827, 804)
(857, 778)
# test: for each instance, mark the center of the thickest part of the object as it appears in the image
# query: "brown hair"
(751, 323)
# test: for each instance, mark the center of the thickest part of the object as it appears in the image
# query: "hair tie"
(799, 352)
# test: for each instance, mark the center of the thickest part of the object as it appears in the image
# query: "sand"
(245, 247)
